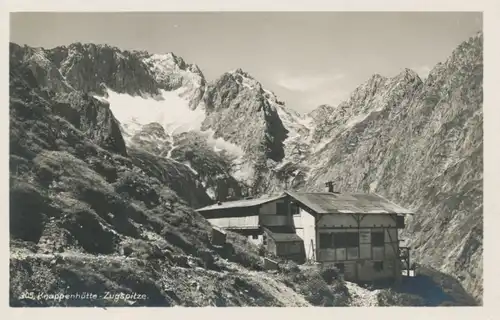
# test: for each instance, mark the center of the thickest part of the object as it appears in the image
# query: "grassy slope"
(87, 217)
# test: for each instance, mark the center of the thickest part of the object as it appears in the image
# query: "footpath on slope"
(186, 285)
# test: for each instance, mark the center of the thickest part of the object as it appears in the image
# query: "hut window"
(340, 267)
(378, 265)
(346, 240)
(325, 241)
(378, 239)
(400, 222)
(255, 236)
(281, 208)
(294, 208)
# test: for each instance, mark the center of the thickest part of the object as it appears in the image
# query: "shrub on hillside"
(310, 283)
(389, 297)
(29, 210)
(244, 252)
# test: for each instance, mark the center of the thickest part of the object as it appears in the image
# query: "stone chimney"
(329, 187)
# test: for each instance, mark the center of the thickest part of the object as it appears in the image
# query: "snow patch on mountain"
(168, 109)
(220, 144)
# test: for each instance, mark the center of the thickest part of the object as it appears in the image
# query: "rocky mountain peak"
(321, 111)
(235, 86)
(377, 77)
(241, 79)
(172, 72)
(240, 111)
(196, 69)
(171, 60)
(408, 75)
(241, 72)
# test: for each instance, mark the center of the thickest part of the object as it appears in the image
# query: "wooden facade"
(267, 221)
(285, 245)
(356, 233)
(218, 237)
(363, 243)
(365, 247)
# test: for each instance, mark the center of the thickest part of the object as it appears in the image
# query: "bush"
(138, 187)
(83, 222)
(329, 275)
(177, 239)
(107, 170)
(310, 283)
(28, 211)
(390, 297)
(244, 252)
(144, 250)
(44, 175)
(289, 267)
(65, 167)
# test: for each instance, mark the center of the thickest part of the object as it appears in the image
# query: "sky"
(305, 58)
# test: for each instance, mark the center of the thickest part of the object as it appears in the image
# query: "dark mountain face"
(94, 68)
(239, 110)
(417, 142)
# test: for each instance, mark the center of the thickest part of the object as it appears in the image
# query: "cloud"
(308, 83)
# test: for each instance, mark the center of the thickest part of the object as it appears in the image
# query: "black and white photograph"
(246, 159)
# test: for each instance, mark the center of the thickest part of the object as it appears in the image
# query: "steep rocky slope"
(419, 143)
(241, 112)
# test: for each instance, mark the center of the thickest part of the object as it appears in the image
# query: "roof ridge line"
(393, 203)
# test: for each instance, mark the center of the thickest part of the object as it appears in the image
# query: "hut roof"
(360, 203)
(245, 203)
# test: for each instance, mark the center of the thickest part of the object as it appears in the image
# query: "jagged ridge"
(420, 144)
